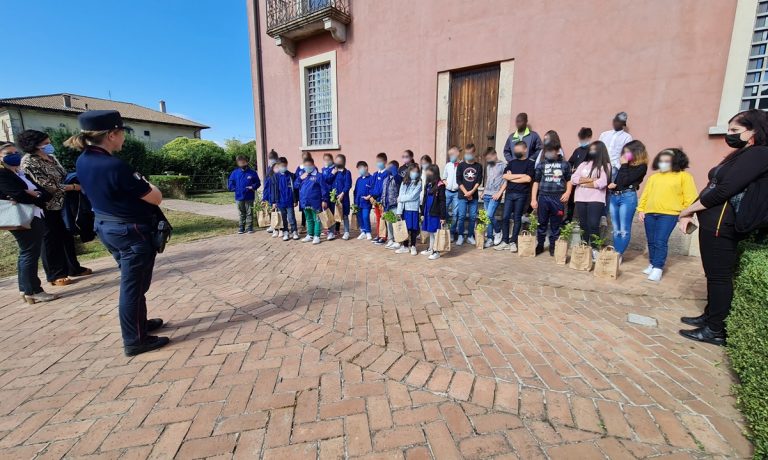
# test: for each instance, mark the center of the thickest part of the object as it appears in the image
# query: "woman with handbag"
(719, 215)
(18, 193)
(59, 256)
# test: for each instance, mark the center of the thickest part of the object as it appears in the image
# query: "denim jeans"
(550, 214)
(246, 214)
(30, 246)
(514, 206)
(132, 248)
(451, 205)
(490, 205)
(623, 207)
(466, 209)
(658, 227)
(289, 218)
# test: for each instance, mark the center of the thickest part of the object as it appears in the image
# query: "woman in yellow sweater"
(667, 192)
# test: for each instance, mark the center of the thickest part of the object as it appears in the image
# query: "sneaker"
(426, 252)
(270, 230)
(316, 240)
(41, 296)
(389, 244)
(361, 236)
(331, 236)
(502, 247)
(368, 236)
(151, 343)
(306, 239)
(434, 256)
(460, 240)
(655, 274)
(286, 236)
(488, 244)
(603, 221)
(276, 234)
(295, 235)
(402, 250)
(240, 232)
(497, 238)
(395, 245)
(647, 270)
(512, 247)
(345, 236)
(471, 240)
(413, 251)
(250, 231)
(379, 241)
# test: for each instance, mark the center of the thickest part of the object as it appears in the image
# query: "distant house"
(59, 111)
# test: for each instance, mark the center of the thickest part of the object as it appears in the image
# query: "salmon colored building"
(363, 76)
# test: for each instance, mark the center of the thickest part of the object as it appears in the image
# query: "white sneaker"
(345, 236)
(434, 256)
(361, 236)
(488, 244)
(286, 236)
(331, 236)
(402, 250)
(655, 274)
(389, 244)
(512, 247)
(460, 240)
(426, 252)
(497, 238)
(276, 234)
(306, 239)
(395, 245)
(316, 240)
(295, 235)
(368, 236)
(648, 270)
(502, 247)
(471, 240)
(270, 230)
(413, 251)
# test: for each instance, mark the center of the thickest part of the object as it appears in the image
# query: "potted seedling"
(561, 245)
(483, 221)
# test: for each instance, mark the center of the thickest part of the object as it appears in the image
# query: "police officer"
(125, 205)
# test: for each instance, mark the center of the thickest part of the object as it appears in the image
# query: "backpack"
(751, 206)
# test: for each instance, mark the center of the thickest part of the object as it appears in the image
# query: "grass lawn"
(186, 227)
(213, 198)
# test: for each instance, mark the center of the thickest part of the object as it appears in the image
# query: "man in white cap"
(616, 139)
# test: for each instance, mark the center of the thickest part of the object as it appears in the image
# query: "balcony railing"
(285, 16)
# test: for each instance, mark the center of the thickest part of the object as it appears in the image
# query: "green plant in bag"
(389, 217)
(354, 209)
(598, 242)
(333, 196)
(533, 226)
(566, 231)
(483, 220)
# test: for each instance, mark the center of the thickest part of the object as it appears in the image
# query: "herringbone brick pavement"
(290, 351)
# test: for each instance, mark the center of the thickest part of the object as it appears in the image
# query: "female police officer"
(125, 205)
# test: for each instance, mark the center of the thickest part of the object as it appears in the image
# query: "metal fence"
(283, 12)
(203, 183)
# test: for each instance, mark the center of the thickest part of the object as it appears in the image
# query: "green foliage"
(390, 217)
(354, 209)
(566, 231)
(134, 153)
(483, 221)
(534, 222)
(747, 326)
(171, 186)
(193, 157)
(333, 195)
(598, 242)
(236, 148)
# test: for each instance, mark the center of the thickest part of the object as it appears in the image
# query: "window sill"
(321, 147)
(718, 130)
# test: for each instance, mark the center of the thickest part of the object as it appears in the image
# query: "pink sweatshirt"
(587, 194)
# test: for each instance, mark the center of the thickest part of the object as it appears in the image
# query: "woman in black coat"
(16, 187)
(718, 235)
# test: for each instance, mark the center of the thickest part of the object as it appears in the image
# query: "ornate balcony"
(289, 21)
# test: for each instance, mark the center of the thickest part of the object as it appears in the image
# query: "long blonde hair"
(85, 138)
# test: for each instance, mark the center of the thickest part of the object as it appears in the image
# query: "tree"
(134, 152)
(237, 148)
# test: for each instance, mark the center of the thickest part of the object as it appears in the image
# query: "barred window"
(755, 94)
(319, 105)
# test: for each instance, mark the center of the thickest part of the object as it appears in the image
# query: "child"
(469, 176)
(363, 188)
(452, 187)
(434, 209)
(591, 179)
(271, 194)
(244, 181)
(272, 157)
(519, 174)
(408, 207)
(285, 202)
(494, 189)
(390, 190)
(377, 187)
(299, 172)
(340, 179)
(311, 190)
(326, 168)
(551, 190)
(425, 161)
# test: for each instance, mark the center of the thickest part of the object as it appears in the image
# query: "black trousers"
(412, 236)
(719, 257)
(59, 256)
(589, 213)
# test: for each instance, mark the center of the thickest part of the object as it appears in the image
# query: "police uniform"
(124, 223)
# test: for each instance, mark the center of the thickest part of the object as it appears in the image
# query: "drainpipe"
(262, 114)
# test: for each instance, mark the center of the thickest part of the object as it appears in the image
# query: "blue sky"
(192, 54)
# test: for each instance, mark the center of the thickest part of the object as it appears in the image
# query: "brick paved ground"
(290, 351)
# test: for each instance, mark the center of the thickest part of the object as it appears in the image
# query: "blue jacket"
(363, 187)
(280, 189)
(409, 197)
(377, 184)
(239, 181)
(339, 181)
(311, 191)
(390, 189)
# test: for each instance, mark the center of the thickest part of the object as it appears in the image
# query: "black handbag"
(163, 230)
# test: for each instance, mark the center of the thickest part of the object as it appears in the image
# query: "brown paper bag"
(326, 218)
(581, 257)
(561, 252)
(382, 233)
(443, 240)
(607, 263)
(262, 218)
(353, 223)
(400, 231)
(424, 236)
(276, 220)
(338, 213)
(526, 244)
(479, 239)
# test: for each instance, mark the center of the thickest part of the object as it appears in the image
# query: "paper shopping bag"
(382, 230)
(607, 263)
(263, 218)
(400, 231)
(442, 240)
(353, 223)
(561, 252)
(276, 220)
(581, 257)
(479, 239)
(326, 218)
(338, 213)
(424, 237)
(526, 244)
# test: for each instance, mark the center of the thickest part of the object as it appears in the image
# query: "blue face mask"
(362, 171)
(414, 175)
(380, 165)
(469, 157)
(584, 144)
(309, 169)
(48, 149)
(453, 158)
(282, 169)
(12, 159)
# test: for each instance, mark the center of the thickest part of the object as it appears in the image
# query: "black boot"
(151, 343)
(696, 321)
(705, 334)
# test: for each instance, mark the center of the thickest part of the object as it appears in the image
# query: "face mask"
(424, 166)
(380, 165)
(414, 175)
(244, 167)
(406, 160)
(734, 141)
(12, 159)
(469, 157)
(519, 155)
(282, 169)
(362, 171)
(328, 164)
(309, 169)
(629, 157)
(665, 166)
(584, 143)
(48, 149)
(551, 156)
(453, 158)
(339, 166)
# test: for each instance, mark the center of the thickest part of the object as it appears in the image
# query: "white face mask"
(665, 166)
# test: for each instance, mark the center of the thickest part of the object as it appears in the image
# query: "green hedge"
(171, 186)
(748, 342)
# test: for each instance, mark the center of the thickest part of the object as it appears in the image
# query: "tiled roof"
(129, 111)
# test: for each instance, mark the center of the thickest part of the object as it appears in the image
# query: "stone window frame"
(304, 64)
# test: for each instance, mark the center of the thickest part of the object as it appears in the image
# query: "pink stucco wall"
(577, 63)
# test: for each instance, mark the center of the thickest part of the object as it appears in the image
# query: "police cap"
(100, 120)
